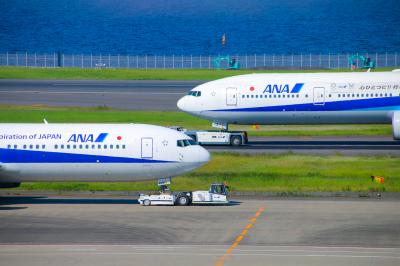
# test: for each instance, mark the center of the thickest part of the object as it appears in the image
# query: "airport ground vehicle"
(216, 137)
(217, 194)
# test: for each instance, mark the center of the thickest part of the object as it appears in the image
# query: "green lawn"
(36, 114)
(136, 74)
(275, 173)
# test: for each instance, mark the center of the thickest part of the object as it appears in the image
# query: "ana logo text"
(283, 88)
(87, 137)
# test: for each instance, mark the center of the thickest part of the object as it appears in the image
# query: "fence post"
(7, 58)
(35, 61)
(145, 61)
(118, 61)
(45, 61)
(54, 60)
(81, 60)
(264, 60)
(395, 59)
(255, 60)
(182, 62)
(191, 62)
(386, 59)
(246, 60)
(301, 60)
(16, 58)
(155, 61)
(273, 61)
(164, 62)
(73, 60)
(292, 63)
(91, 61)
(283, 60)
(376, 59)
(320, 61)
(329, 60)
(137, 61)
(173, 61)
(338, 61)
(127, 61)
(109, 60)
(200, 61)
(63, 57)
(209, 62)
(310, 60)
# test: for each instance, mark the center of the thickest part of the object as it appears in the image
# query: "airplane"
(94, 152)
(298, 98)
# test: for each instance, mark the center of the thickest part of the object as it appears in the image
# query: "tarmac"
(151, 95)
(91, 230)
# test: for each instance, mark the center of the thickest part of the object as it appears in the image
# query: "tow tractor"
(217, 194)
(216, 137)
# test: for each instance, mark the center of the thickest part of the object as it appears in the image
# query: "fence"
(295, 61)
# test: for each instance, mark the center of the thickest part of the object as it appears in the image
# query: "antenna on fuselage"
(45, 121)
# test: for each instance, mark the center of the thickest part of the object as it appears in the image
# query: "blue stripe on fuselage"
(390, 103)
(29, 156)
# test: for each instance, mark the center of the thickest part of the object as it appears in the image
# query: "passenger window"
(123, 146)
(105, 147)
(68, 146)
(111, 146)
(37, 146)
(117, 147)
(8, 146)
(80, 147)
(62, 146)
(87, 147)
(43, 146)
(306, 95)
(15, 147)
(248, 96)
(252, 96)
(56, 147)
(243, 96)
(24, 146)
(74, 146)
(339, 95)
(99, 147)
(93, 146)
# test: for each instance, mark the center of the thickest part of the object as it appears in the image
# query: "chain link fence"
(264, 61)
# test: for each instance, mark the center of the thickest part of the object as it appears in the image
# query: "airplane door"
(319, 96)
(231, 96)
(147, 148)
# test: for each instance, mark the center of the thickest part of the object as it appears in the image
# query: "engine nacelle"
(396, 125)
(9, 185)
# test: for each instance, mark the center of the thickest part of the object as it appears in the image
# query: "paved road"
(135, 94)
(352, 146)
(117, 231)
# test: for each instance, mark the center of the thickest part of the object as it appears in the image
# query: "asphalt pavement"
(117, 231)
(127, 94)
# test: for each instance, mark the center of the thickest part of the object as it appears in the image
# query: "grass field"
(136, 74)
(275, 173)
(36, 114)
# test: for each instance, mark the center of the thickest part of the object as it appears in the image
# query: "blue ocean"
(193, 27)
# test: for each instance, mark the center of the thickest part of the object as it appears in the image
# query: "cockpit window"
(195, 93)
(186, 142)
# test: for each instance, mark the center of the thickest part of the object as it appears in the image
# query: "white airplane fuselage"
(94, 152)
(303, 98)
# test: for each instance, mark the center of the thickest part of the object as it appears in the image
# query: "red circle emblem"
(119, 138)
(251, 88)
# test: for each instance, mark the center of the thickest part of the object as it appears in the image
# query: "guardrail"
(264, 61)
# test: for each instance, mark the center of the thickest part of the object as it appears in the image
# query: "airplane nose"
(204, 155)
(181, 104)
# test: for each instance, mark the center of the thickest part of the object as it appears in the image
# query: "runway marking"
(220, 261)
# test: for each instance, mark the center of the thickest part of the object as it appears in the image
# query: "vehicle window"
(186, 142)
